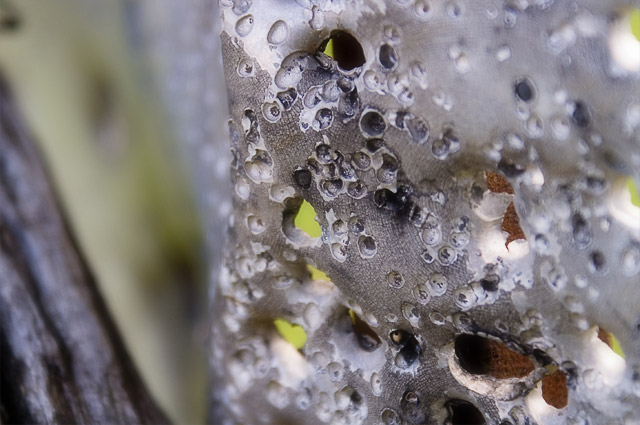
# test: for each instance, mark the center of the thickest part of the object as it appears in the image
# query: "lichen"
(467, 180)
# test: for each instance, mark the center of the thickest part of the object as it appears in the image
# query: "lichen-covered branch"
(467, 162)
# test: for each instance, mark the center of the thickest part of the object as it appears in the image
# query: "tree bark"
(62, 358)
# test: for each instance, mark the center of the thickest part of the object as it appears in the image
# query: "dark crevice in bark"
(59, 368)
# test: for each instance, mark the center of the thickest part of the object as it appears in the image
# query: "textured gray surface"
(442, 76)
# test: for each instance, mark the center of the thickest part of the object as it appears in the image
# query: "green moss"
(293, 334)
(306, 220)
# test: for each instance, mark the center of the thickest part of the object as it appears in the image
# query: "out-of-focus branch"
(61, 357)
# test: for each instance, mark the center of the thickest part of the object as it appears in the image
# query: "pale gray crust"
(550, 298)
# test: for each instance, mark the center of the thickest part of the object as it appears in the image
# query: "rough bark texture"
(62, 359)
(393, 155)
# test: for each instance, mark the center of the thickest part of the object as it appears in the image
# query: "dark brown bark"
(62, 359)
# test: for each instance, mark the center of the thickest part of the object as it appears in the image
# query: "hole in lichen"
(367, 338)
(409, 345)
(461, 412)
(483, 356)
(510, 169)
(303, 178)
(298, 222)
(293, 334)
(554, 389)
(610, 339)
(344, 49)
(524, 89)
(581, 114)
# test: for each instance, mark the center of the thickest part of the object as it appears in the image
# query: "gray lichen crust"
(396, 157)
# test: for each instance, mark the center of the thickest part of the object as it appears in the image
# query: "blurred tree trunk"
(62, 358)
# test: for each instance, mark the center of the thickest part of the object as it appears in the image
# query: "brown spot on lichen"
(605, 336)
(483, 356)
(498, 183)
(554, 389)
(506, 363)
(511, 225)
(610, 339)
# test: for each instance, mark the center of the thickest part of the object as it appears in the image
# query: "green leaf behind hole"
(293, 334)
(328, 49)
(306, 220)
(635, 23)
(616, 347)
(633, 189)
(317, 274)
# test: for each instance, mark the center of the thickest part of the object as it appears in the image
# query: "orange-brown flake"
(506, 363)
(483, 356)
(605, 336)
(511, 225)
(554, 389)
(498, 183)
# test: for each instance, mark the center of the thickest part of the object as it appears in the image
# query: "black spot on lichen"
(490, 282)
(388, 56)
(367, 338)
(461, 412)
(287, 98)
(483, 356)
(410, 348)
(581, 114)
(524, 90)
(372, 123)
(398, 201)
(302, 178)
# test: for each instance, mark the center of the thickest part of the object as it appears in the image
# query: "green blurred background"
(90, 101)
